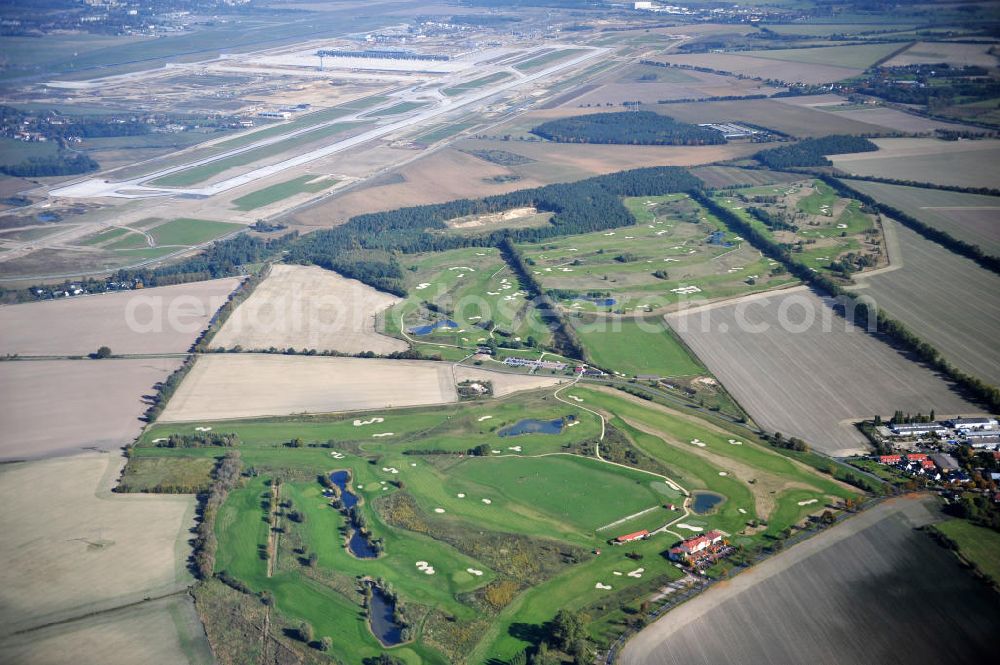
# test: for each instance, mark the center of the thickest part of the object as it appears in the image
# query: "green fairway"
(282, 190)
(635, 347)
(978, 544)
(185, 231)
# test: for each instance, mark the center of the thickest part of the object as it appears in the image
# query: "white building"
(918, 429)
(974, 423)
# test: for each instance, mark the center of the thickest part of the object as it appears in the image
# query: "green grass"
(174, 474)
(283, 190)
(635, 347)
(855, 56)
(111, 233)
(462, 88)
(13, 151)
(129, 240)
(198, 174)
(445, 131)
(538, 62)
(186, 231)
(396, 109)
(978, 544)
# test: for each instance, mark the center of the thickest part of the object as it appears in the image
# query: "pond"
(534, 426)
(358, 544)
(381, 618)
(704, 502)
(600, 302)
(428, 329)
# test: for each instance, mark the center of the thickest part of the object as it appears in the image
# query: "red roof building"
(916, 457)
(927, 464)
(890, 459)
(629, 537)
(693, 547)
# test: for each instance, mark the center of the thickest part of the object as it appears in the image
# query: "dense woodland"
(63, 163)
(363, 247)
(627, 127)
(813, 152)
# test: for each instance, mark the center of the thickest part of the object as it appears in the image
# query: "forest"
(63, 163)
(812, 152)
(627, 127)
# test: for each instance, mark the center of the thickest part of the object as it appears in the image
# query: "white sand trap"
(372, 421)
(742, 511)
(439, 510)
(492, 293)
(599, 585)
(723, 473)
(335, 455)
(480, 254)
(413, 463)
(474, 571)
(429, 571)
(482, 418)
(575, 398)
(496, 452)
(202, 429)
(573, 424)
(385, 488)
(461, 274)
(460, 495)
(809, 502)
(474, 318)
(159, 440)
(379, 436)
(390, 469)
(696, 529)
(616, 572)
(637, 573)
(465, 268)
(422, 285)
(734, 442)
(487, 501)
(610, 233)
(698, 442)
(360, 487)
(422, 564)
(516, 449)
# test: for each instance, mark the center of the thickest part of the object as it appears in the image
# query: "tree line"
(627, 127)
(813, 152)
(62, 163)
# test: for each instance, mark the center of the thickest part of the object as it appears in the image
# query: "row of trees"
(813, 152)
(62, 163)
(627, 127)
(200, 440)
(225, 477)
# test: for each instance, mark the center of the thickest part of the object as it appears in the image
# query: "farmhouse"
(974, 423)
(917, 429)
(890, 459)
(631, 537)
(704, 548)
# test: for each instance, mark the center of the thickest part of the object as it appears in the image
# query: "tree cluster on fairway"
(627, 127)
(364, 247)
(813, 152)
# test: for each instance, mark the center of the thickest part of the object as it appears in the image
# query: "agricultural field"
(465, 297)
(677, 252)
(537, 516)
(978, 544)
(721, 177)
(772, 68)
(845, 573)
(166, 319)
(62, 406)
(946, 299)
(958, 163)
(189, 232)
(649, 84)
(245, 385)
(310, 184)
(537, 62)
(970, 217)
(799, 369)
(635, 346)
(466, 86)
(825, 231)
(956, 55)
(108, 551)
(307, 307)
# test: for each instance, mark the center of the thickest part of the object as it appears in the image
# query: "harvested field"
(806, 378)
(853, 590)
(728, 176)
(167, 319)
(108, 551)
(969, 217)
(307, 307)
(767, 68)
(506, 383)
(948, 300)
(165, 631)
(898, 120)
(669, 83)
(960, 163)
(932, 53)
(802, 121)
(59, 406)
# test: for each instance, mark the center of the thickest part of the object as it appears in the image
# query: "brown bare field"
(669, 84)
(900, 121)
(71, 547)
(795, 120)
(167, 319)
(165, 631)
(307, 307)
(946, 299)
(852, 590)
(224, 386)
(799, 369)
(727, 176)
(969, 217)
(767, 68)
(932, 53)
(57, 406)
(450, 174)
(961, 163)
(505, 384)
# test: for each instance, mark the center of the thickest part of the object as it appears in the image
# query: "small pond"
(600, 302)
(381, 618)
(534, 426)
(358, 544)
(428, 329)
(704, 502)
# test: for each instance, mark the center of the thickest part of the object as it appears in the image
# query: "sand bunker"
(637, 573)
(487, 501)
(599, 585)
(474, 571)
(696, 529)
(481, 419)
(439, 510)
(425, 567)
(361, 423)
(379, 436)
(809, 502)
